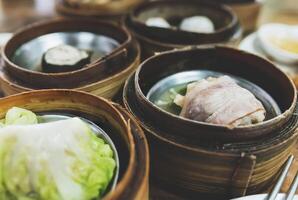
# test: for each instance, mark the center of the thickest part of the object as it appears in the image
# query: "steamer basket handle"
(242, 174)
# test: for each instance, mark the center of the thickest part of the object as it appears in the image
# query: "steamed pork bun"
(158, 22)
(198, 24)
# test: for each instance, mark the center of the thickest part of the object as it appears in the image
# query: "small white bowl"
(4, 37)
(268, 34)
(264, 197)
(251, 44)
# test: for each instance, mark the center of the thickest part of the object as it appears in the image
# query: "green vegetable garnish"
(61, 160)
(20, 116)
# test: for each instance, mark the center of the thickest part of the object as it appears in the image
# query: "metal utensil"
(293, 188)
(291, 192)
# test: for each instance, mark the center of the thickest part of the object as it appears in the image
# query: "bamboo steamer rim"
(149, 40)
(132, 21)
(143, 96)
(230, 134)
(126, 70)
(244, 3)
(193, 148)
(169, 46)
(141, 136)
(228, 2)
(52, 22)
(157, 3)
(120, 187)
(107, 9)
(209, 152)
(152, 41)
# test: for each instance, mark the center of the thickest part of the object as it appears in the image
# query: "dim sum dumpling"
(158, 22)
(220, 101)
(198, 24)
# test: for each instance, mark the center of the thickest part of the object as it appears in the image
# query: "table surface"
(16, 13)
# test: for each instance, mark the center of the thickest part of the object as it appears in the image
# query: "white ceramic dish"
(275, 37)
(4, 37)
(263, 197)
(252, 45)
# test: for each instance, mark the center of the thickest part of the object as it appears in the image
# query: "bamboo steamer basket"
(247, 11)
(154, 40)
(108, 10)
(99, 68)
(225, 60)
(126, 134)
(214, 167)
(248, 14)
(104, 77)
(106, 88)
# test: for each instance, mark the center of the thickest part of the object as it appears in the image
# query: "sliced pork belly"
(220, 101)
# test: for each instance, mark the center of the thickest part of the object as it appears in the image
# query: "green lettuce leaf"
(19, 116)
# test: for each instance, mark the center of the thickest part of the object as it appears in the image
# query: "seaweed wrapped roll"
(64, 58)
